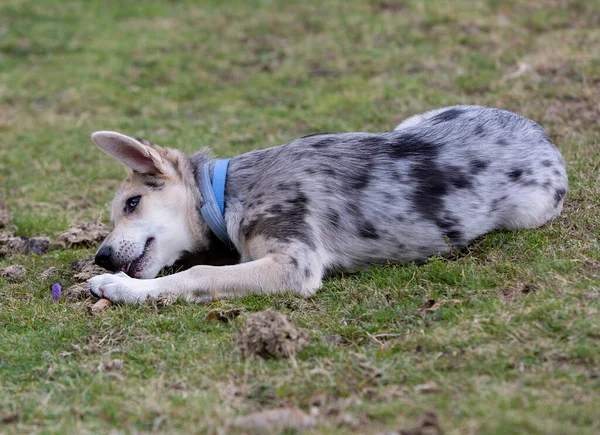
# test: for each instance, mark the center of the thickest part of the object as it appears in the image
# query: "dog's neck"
(244, 173)
(213, 194)
(233, 194)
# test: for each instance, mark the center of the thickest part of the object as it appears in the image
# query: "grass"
(513, 345)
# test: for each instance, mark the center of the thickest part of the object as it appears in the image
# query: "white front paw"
(119, 288)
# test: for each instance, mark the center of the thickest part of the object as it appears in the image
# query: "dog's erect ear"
(129, 151)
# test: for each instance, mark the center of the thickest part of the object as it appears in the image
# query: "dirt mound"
(6, 234)
(77, 292)
(86, 268)
(26, 245)
(83, 235)
(270, 334)
(15, 272)
(83, 270)
(222, 315)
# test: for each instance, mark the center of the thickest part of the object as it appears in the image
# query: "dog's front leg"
(205, 283)
(122, 288)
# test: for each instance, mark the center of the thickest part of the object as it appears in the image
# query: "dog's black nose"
(104, 258)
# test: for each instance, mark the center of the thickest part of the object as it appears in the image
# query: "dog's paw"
(119, 288)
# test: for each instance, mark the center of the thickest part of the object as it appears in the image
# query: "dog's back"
(438, 181)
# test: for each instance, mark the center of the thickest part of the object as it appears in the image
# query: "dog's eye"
(132, 203)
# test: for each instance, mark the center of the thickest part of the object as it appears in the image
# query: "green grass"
(246, 74)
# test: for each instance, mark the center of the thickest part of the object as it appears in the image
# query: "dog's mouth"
(135, 267)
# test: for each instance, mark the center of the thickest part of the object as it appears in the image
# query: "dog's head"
(154, 211)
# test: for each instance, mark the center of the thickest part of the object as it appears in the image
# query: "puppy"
(290, 214)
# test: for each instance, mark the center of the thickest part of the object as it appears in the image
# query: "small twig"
(99, 306)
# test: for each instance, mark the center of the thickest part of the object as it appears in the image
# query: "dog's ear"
(131, 152)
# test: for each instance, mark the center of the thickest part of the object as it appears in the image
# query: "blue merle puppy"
(322, 203)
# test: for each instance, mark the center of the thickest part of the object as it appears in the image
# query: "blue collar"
(213, 193)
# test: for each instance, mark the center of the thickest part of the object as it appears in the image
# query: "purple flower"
(56, 288)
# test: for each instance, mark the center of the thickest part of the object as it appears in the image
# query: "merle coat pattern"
(340, 201)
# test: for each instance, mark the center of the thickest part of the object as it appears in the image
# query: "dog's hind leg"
(267, 275)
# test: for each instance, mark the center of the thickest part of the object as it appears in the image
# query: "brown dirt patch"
(271, 334)
(86, 268)
(26, 245)
(82, 270)
(83, 235)
(77, 292)
(6, 234)
(15, 272)
(221, 315)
